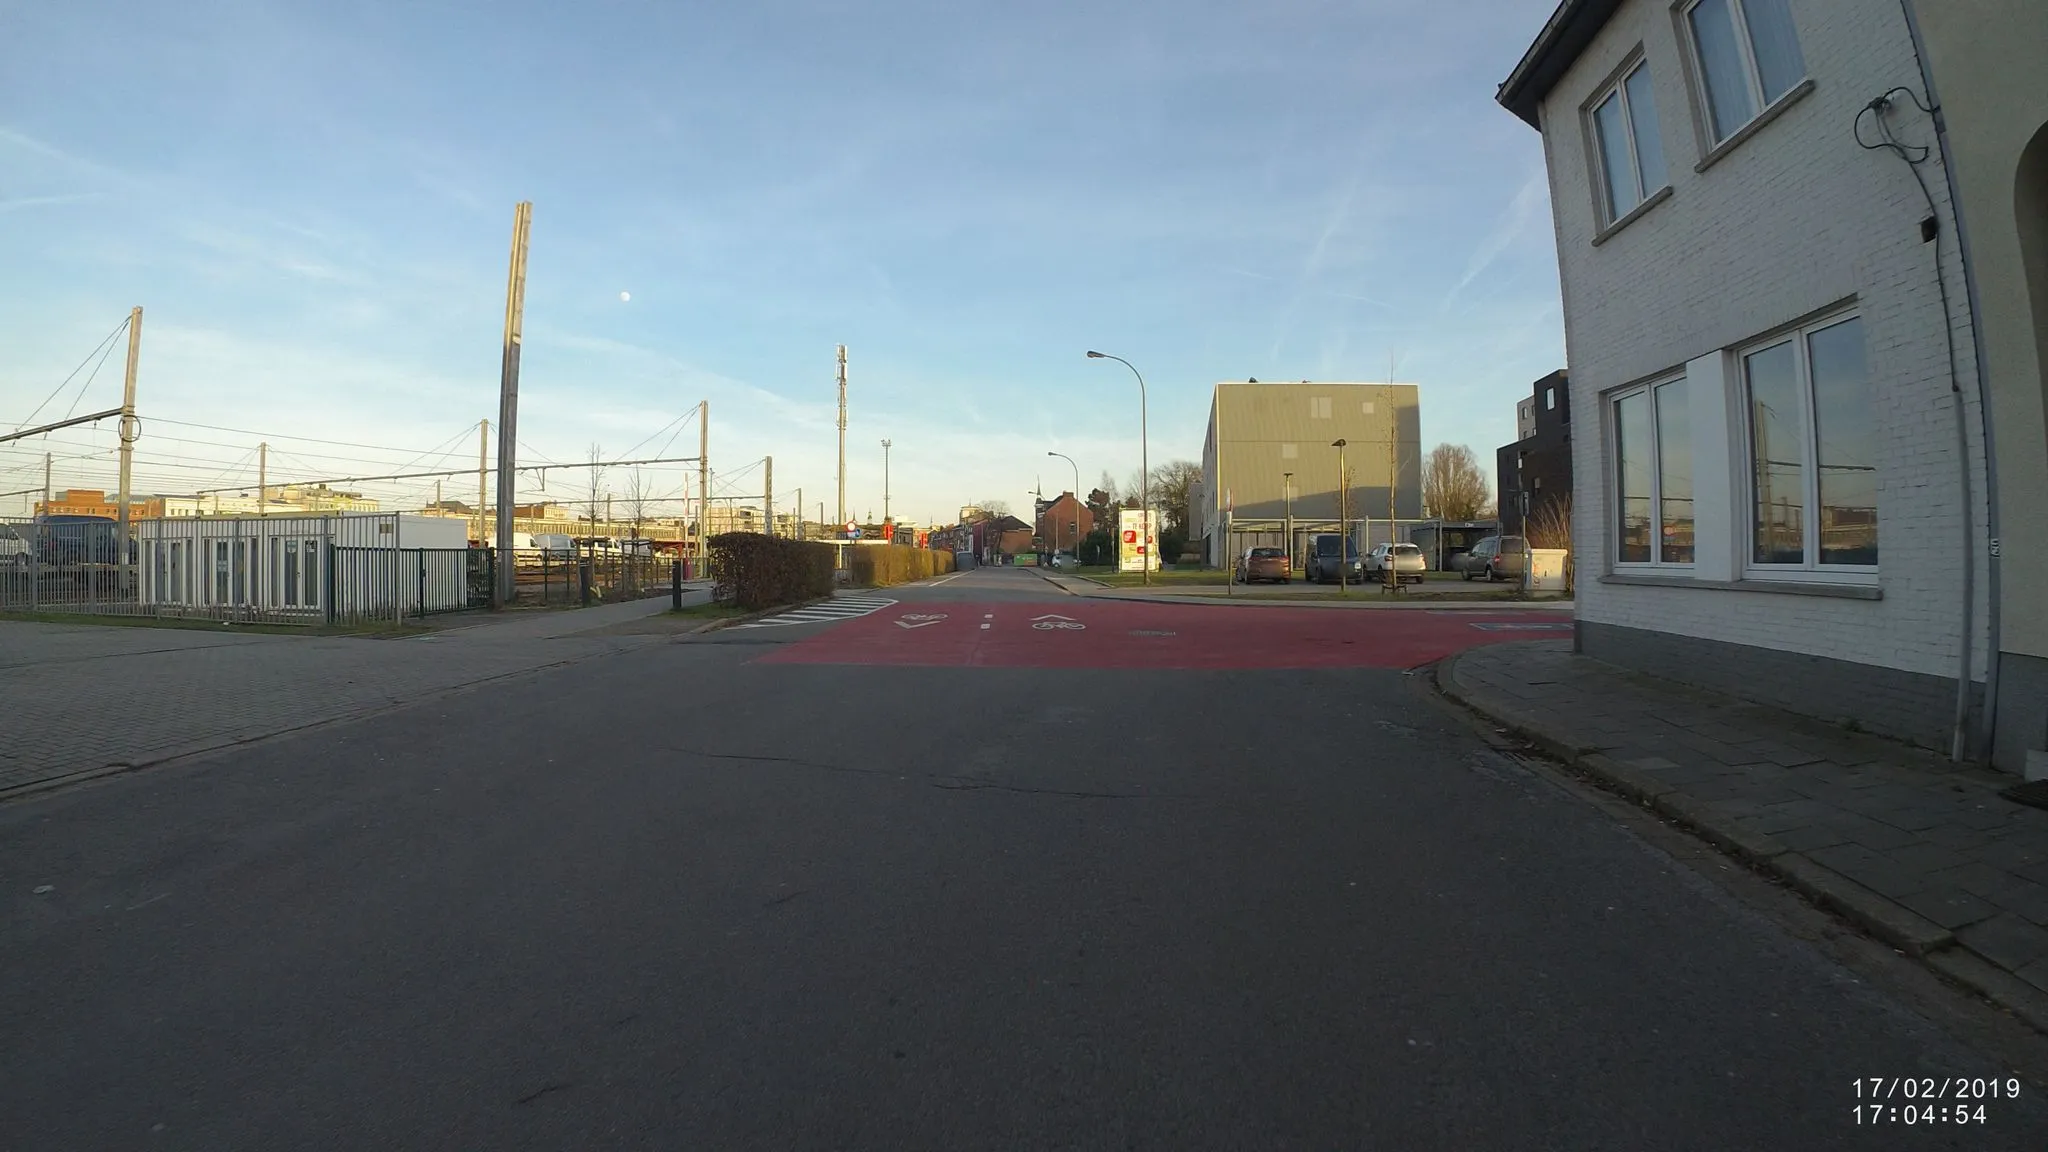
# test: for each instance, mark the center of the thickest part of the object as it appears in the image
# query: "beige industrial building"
(1270, 469)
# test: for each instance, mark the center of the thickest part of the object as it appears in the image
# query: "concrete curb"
(1881, 917)
(1419, 605)
(1056, 584)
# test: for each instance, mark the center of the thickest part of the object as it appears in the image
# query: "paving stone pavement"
(79, 700)
(1921, 852)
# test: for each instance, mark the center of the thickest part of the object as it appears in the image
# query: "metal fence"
(67, 564)
(589, 575)
(371, 584)
(278, 570)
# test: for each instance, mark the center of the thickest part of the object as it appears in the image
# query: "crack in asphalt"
(543, 1090)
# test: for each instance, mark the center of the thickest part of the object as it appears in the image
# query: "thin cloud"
(24, 202)
(1521, 214)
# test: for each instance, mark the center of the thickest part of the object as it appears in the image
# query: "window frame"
(1809, 569)
(1609, 216)
(1745, 47)
(1611, 406)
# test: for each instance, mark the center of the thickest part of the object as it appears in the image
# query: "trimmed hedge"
(753, 571)
(883, 565)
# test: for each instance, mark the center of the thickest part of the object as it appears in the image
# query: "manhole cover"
(1151, 632)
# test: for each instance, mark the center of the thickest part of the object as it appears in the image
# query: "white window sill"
(1756, 125)
(1782, 587)
(1632, 215)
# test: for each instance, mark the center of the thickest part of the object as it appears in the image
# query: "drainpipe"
(1988, 719)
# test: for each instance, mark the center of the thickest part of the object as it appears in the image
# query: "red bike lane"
(1138, 635)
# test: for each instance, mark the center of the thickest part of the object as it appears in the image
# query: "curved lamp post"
(1144, 465)
(1077, 505)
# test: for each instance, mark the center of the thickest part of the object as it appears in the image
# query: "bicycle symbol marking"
(1060, 625)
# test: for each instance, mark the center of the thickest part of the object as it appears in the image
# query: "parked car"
(1406, 560)
(1324, 564)
(552, 543)
(1257, 564)
(14, 549)
(1496, 558)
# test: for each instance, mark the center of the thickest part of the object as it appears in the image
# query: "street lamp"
(886, 445)
(1343, 520)
(1144, 465)
(1287, 484)
(1077, 504)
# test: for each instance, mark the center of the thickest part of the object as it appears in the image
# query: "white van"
(552, 543)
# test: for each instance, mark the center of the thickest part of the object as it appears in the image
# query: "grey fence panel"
(70, 564)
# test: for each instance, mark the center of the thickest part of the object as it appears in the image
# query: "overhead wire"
(94, 375)
(59, 389)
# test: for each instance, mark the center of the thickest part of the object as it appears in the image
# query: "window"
(1319, 407)
(1629, 150)
(1653, 474)
(1748, 57)
(1550, 398)
(1813, 451)
(1290, 451)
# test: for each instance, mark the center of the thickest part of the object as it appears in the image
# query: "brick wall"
(1794, 219)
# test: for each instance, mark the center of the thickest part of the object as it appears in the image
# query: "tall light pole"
(1077, 506)
(1144, 466)
(1343, 521)
(1287, 483)
(886, 445)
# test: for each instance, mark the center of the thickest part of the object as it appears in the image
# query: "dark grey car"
(1325, 567)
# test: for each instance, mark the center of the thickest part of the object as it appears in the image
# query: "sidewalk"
(1922, 853)
(1366, 596)
(556, 623)
(186, 691)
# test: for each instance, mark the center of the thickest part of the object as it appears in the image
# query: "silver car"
(1406, 561)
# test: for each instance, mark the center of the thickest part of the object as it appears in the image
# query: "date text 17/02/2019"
(1929, 1100)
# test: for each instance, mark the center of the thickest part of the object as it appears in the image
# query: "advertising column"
(1136, 550)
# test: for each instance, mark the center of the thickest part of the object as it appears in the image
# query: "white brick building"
(1775, 497)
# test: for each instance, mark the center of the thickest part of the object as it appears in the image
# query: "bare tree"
(639, 497)
(1171, 483)
(993, 509)
(596, 483)
(1453, 485)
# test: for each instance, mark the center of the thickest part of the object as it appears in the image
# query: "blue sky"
(314, 202)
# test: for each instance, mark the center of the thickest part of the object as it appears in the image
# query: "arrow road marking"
(1052, 617)
(919, 624)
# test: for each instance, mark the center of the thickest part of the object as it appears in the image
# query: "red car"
(1263, 564)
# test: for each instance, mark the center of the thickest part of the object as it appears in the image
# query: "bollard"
(675, 578)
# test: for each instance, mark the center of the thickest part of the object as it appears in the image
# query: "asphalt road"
(689, 896)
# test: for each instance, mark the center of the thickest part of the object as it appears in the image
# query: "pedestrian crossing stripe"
(839, 608)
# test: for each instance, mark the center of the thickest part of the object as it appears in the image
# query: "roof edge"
(1564, 36)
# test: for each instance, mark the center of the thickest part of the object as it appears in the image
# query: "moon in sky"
(625, 296)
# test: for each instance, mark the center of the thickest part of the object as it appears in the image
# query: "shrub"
(884, 565)
(753, 571)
